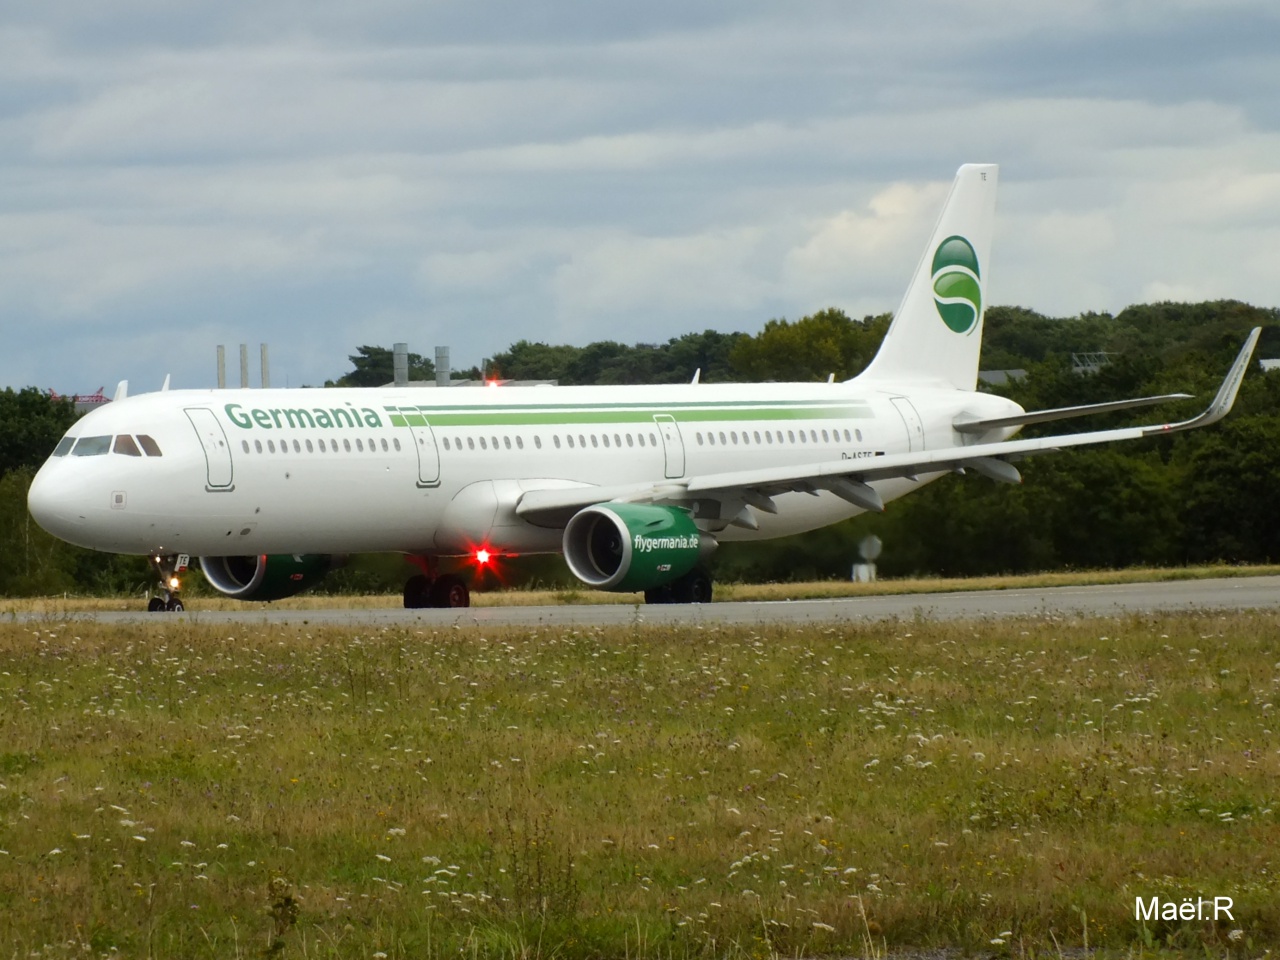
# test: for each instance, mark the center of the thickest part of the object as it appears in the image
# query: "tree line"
(1185, 498)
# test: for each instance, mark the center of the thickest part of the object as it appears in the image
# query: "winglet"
(164, 387)
(1226, 397)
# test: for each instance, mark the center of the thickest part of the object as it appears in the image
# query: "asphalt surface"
(1227, 594)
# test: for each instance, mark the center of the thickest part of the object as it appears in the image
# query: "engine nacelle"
(266, 577)
(632, 546)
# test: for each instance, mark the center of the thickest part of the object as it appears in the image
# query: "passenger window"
(471, 443)
(537, 441)
(569, 437)
(733, 435)
(858, 434)
(149, 446)
(653, 439)
(617, 440)
(847, 437)
(582, 441)
(321, 444)
(271, 446)
(711, 438)
(396, 442)
(506, 442)
(630, 441)
(495, 443)
(824, 437)
(520, 443)
(757, 433)
(359, 445)
(245, 444)
(483, 445)
(813, 435)
(385, 448)
(723, 441)
(310, 448)
(125, 445)
(604, 437)
(257, 445)
(445, 442)
(297, 447)
(64, 445)
(768, 436)
(555, 439)
(791, 437)
(346, 444)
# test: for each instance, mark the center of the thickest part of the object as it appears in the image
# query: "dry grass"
(172, 789)
(825, 589)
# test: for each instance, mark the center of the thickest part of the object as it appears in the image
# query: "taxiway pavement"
(1225, 594)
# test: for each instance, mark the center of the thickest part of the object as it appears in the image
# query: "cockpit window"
(151, 448)
(125, 445)
(64, 446)
(92, 447)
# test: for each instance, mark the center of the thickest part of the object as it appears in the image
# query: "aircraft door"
(910, 420)
(424, 443)
(217, 451)
(672, 444)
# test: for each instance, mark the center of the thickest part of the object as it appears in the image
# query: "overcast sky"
(319, 175)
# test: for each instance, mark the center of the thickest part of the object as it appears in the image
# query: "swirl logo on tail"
(957, 290)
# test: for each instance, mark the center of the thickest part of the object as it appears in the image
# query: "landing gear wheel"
(155, 605)
(450, 591)
(175, 605)
(417, 592)
(694, 587)
(660, 594)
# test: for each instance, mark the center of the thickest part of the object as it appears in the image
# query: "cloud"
(324, 175)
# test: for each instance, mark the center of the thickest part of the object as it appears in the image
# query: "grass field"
(1009, 788)
(202, 600)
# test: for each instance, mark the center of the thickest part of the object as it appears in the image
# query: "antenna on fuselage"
(697, 376)
(164, 387)
(122, 390)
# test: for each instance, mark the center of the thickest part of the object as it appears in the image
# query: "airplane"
(634, 485)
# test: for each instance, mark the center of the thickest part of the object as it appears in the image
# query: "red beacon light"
(483, 557)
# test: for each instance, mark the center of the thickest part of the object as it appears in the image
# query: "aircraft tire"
(175, 606)
(417, 592)
(450, 591)
(694, 587)
(155, 605)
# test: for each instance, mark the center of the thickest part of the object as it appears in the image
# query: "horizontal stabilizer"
(1061, 413)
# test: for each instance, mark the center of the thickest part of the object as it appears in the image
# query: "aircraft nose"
(56, 504)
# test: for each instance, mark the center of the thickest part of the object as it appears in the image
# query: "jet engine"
(632, 546)
(266, 577)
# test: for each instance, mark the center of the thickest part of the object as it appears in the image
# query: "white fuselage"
(439, 471)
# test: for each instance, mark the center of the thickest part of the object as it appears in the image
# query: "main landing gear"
(169, 569)
(428, 590)
(693, 587)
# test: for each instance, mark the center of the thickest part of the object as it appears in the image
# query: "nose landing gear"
(169, 568)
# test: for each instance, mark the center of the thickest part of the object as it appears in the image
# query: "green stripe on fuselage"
(559, 415)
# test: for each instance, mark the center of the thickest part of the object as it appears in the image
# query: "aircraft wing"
(849, 479)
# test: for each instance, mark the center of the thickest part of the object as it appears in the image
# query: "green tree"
(31, 424)
(375, 366)
(31, 562)
(811, 348)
